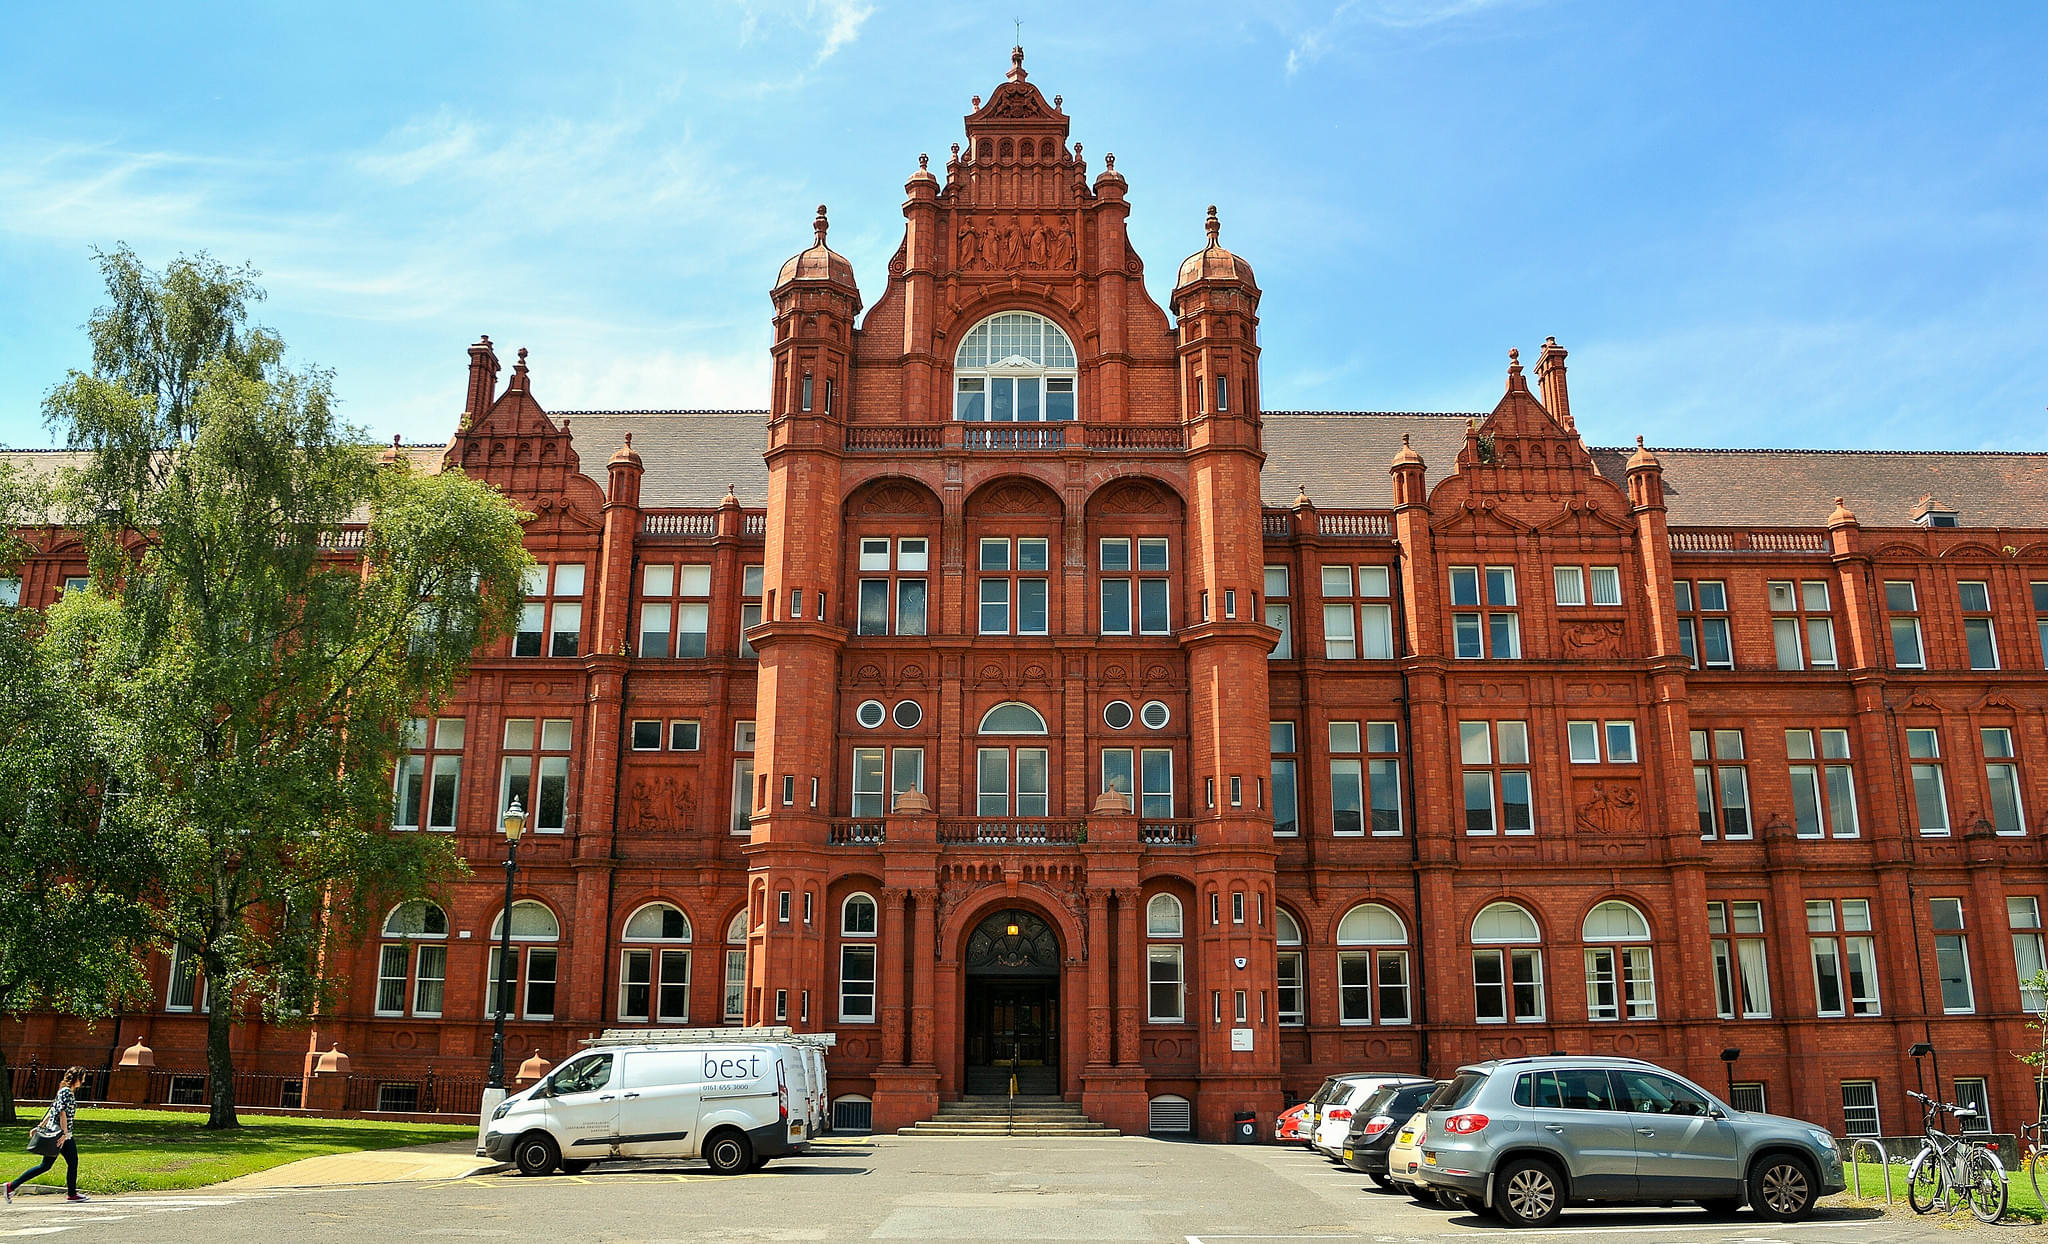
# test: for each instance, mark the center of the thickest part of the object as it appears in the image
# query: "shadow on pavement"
(1597, 1220)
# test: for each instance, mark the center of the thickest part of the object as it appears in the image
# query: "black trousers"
(69, 1152)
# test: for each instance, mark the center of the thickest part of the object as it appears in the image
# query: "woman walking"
(52, 1137)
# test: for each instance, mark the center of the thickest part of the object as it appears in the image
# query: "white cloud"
(1397, 15)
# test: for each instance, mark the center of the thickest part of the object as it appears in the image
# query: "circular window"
(1154, 714)
(908, 714)
(870, 713)
(1116, 714)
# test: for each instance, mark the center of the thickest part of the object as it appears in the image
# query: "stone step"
(1056, 1120)
(933, 1128)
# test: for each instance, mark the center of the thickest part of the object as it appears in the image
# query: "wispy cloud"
(1314, 43)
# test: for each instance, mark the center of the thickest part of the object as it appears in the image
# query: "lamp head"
(1730, 1054)
(1011, 930)
(1920, 1049)
(514, 821)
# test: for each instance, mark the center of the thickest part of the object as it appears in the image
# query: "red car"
(1292, 1125)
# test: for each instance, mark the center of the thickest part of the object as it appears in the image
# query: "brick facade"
(1417, 680)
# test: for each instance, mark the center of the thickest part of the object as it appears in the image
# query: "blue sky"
(1752, 224)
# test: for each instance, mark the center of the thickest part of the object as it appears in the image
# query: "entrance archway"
(1013, 1004)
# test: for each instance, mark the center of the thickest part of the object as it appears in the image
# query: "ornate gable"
(1523, 458)
(511, 443)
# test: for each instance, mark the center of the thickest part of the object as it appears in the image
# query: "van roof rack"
(708, 1036)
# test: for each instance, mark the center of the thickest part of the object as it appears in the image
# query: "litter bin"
(1244, 1128)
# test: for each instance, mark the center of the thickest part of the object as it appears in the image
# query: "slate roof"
(691, 457)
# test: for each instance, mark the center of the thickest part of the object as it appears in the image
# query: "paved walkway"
(422, 1164)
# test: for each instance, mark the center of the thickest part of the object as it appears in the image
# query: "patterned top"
(64, 1105)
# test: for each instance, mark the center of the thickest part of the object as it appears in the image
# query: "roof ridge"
(587, 414)
(1381, 414)
(1845, 453)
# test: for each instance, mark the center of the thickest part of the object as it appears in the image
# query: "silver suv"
(1523, 1136)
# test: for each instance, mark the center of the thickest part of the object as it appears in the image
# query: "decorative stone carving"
(658, 800)
(1610, 808)
(992, 242)
(1588, 640)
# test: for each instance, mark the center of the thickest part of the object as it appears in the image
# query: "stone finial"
(913, 803)
(1112, 802)
(333, 1062)
(820, 225)
(1842, 515)
(1057, 100)
(923, 161)
(1642, 459)
(1212, 225)
(1109, 161)
(138, 1055)
(1406, 455)
(977, 103)
(533, 1069)
(1016, 73)
(956, 151)
(1301, 496)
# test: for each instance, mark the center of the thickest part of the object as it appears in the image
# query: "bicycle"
(1948, 1166)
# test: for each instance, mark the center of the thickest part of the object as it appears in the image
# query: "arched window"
(415, 954)
(1620, 981)
(1293, 982)
(1014, 368)
(1507, 966)
(736, 968)
(1375, 978)
(996, 794)
(1166, 990)
(657, 975)
(532, 976)
(857, 919)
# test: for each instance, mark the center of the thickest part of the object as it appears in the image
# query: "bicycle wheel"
(1987, 1184)
(2034, 1176)
(1924, 1183)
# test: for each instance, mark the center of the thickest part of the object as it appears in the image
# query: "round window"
(908, 714)
(1116, 714)
(1155, 714)
(870, 713)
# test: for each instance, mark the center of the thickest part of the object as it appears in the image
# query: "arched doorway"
(1013, 1004)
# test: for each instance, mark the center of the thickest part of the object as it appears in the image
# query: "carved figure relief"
(993, 242)
(658, 801)
(1583, 640)
(1612, 808)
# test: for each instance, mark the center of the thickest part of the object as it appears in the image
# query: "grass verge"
(2021, 1205)
(160, 1150)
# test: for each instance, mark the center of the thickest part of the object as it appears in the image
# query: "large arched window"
(415, 951)
(1293, 984)
(1378, 975)
(1166, 985)
(1619, 979)
(1030, 795)
(656, 971)
(1014, 368)
(535, 926)
(1507, 966)
(858, 926)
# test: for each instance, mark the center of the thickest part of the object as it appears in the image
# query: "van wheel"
(1781, 1187)
(1528, 1193)
(729, 1154)
(536, 1154)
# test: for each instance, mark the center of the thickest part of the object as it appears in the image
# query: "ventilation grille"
(1174, 1115)
(853, 1114)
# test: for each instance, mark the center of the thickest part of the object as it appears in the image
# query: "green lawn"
(2021, 1203)
(157, 1150)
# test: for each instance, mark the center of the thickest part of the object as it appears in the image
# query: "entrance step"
(989, 1115)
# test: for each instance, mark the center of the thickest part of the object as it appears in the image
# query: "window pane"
(1715, 633)
(1376, 632)
(1464, 585)
(1584, 740)
(1785, 636)
(1514, 742)
(1621, 742)
(1116, 606)
(1284, 801)
(1478, 802)
(1031, 554)
(1347, 796)
(695, 580)
(910, 606)
(1606, 585)
(1516, 808)
(1031, 607)
(1386, 795)
(1338, 641)
(995, 606)
(1372, 581)
(1281, 619)
(874, 607)
(1116, 554)
(1152, 554)
(1906, 642)
(1475, 742)
(1152, 619)
(995, 554)
(1570, 584)
(1983, 648)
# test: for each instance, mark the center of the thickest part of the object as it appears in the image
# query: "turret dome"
(1213, 262)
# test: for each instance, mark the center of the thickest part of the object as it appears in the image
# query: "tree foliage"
(251, 686)
(71, 871)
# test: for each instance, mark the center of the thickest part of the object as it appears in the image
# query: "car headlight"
(504, 1108)
(1823, 1138)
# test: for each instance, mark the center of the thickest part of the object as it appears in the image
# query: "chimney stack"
(1550, 375)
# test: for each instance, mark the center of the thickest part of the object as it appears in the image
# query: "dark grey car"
(1525, 1136)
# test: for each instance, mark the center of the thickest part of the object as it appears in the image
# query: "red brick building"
(1037, 694)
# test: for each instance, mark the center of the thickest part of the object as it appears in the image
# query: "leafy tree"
(251, 689)
(71, 930)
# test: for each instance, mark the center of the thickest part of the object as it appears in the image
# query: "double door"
(1012, 1027)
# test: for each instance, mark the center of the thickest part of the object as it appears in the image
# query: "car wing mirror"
(1717, 1113)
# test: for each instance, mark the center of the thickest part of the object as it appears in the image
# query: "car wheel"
(1722, 1206)
(1385, 1183)
(1422, 1195)
(536, 1154)
(729, 1153)
(574, 1166)
(1528, 1193)
(1781, 1187)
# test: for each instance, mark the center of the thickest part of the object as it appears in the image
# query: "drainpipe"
(1414, 838)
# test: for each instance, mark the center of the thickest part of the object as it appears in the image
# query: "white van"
(734, 1105)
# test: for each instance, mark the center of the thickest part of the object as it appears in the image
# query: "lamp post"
(514, 824)
(1729, 1056)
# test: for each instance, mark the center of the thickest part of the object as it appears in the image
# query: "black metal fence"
(39, 1083)
(255, 1089)
(427, 1093)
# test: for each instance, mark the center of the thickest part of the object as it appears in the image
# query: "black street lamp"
(514, 824)
(1729, 1056)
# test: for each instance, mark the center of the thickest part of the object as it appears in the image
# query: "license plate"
(1347, 1155)
(1429, 1159)
(1407, 1138)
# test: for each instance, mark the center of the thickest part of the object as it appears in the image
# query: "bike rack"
(1856, 1167)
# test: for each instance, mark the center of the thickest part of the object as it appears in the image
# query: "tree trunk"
(220, 1066)
(7, 1118)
